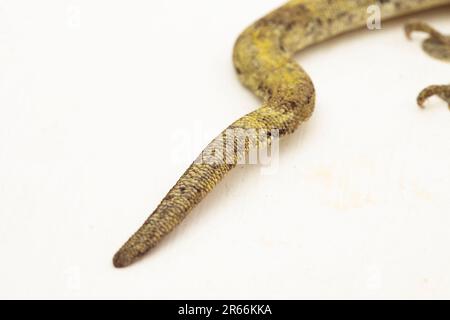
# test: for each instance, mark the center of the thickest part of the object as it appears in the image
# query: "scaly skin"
(437, 46)
(263, 60)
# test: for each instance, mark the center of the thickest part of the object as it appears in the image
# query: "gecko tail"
(263, 57)
(123, 259)
(216, 160)
(198, 180)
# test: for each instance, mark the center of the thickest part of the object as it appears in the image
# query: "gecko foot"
(441, 91)
(437, 45)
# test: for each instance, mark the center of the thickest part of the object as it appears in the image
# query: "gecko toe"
(436, 45)
(437, 49)
(442, 91)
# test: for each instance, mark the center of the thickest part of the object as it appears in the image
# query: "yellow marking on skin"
(263, 58)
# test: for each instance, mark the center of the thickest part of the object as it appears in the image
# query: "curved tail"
(264, 63)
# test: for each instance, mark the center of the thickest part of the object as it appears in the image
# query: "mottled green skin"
(263, 60)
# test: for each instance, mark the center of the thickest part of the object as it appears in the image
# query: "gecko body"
(263, 59)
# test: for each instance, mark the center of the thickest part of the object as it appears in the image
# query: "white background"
(93, 98)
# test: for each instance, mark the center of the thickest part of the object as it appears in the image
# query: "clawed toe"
(441, 91)
(418, 26)
(437, 45)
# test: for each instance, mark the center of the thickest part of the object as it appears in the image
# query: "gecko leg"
(436, 45)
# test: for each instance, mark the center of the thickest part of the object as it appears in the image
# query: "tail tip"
(122, 259)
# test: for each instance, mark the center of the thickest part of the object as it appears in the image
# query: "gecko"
(263, 58)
